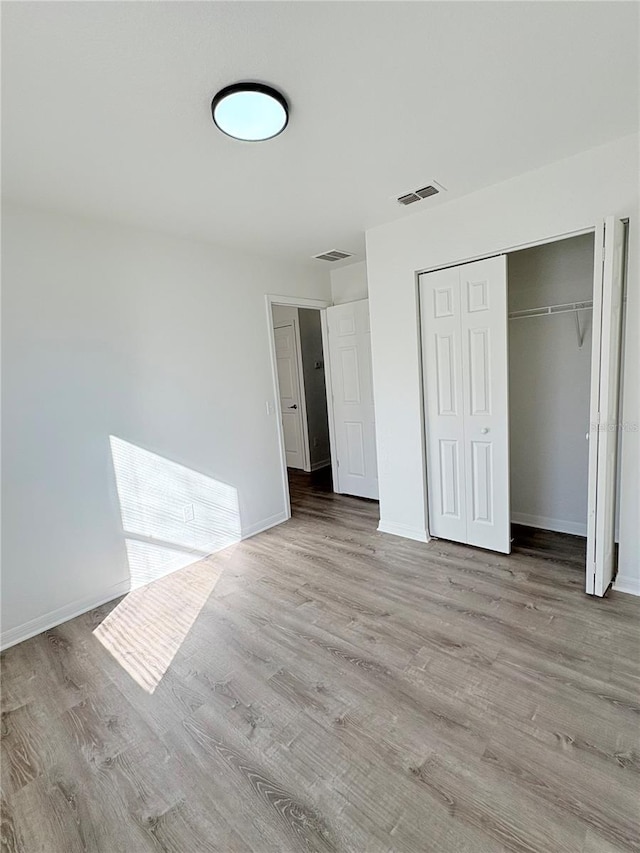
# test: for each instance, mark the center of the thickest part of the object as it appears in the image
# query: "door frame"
(302, 392)
(320, 305)
(469, 259)
(502, 251)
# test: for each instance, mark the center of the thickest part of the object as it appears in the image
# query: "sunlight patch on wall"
(172, 516)
(146, 630)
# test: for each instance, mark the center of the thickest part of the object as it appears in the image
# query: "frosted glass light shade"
(250, 111)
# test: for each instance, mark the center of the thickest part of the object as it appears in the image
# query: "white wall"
(160, 342)
(549, 386)
(566, 196)
(348, 284)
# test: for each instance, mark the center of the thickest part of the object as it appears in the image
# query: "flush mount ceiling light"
(252, 112)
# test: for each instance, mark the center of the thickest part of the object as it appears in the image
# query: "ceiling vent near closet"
(409, 198)
(418, 195)
(333, 255)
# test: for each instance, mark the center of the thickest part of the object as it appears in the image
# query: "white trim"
(62, 614)
(328, 384)
(306, 450)
(423, 419)
(630, 586)
(297, 302)
(76, 608)
(302, 392)
(395, 529)
(276, 407)
(265, 524)
(518, 248)
(575, 528)
(323, 463)
(594, 405)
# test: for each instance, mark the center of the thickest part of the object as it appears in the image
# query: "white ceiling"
(106, 108)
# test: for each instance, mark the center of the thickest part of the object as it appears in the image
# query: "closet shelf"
(546, 310)
(565, 308)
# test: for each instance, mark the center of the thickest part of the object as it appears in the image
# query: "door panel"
(479, 371)
(355, 449)
(292, 438)
(605, 373)
(442, 375)
(445, 374)
(353, 410)
(464, 351)
(290, 397)
(450, 486)
(485, 377)
(482, 476)
(350, 374)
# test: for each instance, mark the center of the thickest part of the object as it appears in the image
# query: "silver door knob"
(484, 430)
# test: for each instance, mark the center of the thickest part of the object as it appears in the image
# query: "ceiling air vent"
(425, 192)
(333, 255)
(409, 198)
(418, 195)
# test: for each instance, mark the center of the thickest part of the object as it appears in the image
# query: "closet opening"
(550, 318)
(521, 361)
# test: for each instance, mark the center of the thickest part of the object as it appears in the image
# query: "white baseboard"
(576, 528)
(265, 524)
(629, 585)
(395, 529)
(56, 617)
(324, 463)
(76, 608)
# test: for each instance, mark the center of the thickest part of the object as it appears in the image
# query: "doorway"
(550, 305)
(521, 362)
(302, 390)
(323, 395)
(550, 298)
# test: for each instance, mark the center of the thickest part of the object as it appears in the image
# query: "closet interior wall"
(549, 385)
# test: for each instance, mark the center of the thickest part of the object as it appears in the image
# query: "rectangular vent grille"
(333, 255)
(409, 198)
(418, 195)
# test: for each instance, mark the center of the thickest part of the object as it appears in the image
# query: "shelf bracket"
(579, 331)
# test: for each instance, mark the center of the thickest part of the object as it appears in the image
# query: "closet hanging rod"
(547, 310)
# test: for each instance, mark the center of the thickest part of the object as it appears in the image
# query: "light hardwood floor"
(324, 687)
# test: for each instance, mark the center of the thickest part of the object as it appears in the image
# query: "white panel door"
(465, 370)
(603, 436)
(442, 376)
(485, 358)
(290, 396)
(352, 387)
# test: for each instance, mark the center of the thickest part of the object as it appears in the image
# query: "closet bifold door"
(444, 410)
(465, 374)
(604, 426)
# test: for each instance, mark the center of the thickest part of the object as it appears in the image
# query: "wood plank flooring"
(560, 548)
(325, 687)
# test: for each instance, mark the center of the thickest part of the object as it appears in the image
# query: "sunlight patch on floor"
(146, 630)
